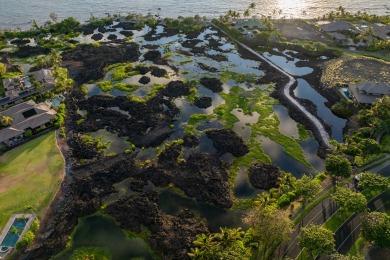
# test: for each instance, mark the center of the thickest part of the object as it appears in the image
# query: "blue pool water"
(12, 236)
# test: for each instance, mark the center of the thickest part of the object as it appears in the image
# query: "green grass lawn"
(29, 176)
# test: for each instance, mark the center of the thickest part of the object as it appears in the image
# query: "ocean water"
(19, 13)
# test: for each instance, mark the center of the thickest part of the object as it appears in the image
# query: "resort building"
(249, 27)
(368, 92)
(20, 87)
(25, 116)
(339, 26)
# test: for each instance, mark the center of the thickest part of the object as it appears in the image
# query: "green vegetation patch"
(238, 77)
(98, 253)
(105, 85)
(30, 175)
(259, 101)
(126, 87)
(123, 71)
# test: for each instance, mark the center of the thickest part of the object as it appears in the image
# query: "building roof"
(361, 97)
(44, 75)
(26, 115)
(338, 36)
(338, 26)
(381, 31)
(374, 88)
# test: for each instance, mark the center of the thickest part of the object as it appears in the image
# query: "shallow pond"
(242, 186)
(171, 203)
(101, 231)
(288, 64)
(305, 91)
(287, 125)
(282, 159)
(116, 144)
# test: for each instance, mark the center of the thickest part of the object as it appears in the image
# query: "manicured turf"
(29, 176)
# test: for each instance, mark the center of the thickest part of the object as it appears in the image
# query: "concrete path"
(286, 91)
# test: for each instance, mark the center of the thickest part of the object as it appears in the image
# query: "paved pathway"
(286, 91)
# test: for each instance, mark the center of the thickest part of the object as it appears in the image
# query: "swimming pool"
(345, 92)
(14, 232)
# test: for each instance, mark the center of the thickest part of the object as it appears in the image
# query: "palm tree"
(252, 6)
(6, 121)
(55, 57)
(227, 236)
(247, 13)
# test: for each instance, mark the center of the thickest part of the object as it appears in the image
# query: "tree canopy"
(338, 166)
(317, 240)
(349, 200)
(307, 187)
(227, 244)
(376, 228)
(373, 181)
(269, 226)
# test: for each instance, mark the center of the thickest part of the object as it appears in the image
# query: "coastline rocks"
(176, 89)
(126, 33)
(134, 211)
(112, 37)
(144, 80)
(157, 72)
(213, 84)
(126, 25)
(227, 141)
(207, 67)
(97, 37)
(87, 62)
(204, 178)
(190, 141)
(146, 123)
(168, 158)
(264, 176)
(26, 51)
(102, 29)
(141, 69)
(152, 55)
(20, 41)
(203, 102)
(175, 237)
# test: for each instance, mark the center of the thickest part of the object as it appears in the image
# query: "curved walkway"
(286, 91)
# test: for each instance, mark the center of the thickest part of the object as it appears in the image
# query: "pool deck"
(7, 227)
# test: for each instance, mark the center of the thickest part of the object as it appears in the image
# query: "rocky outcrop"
(112, 37)
(97, 37)
(126, 33)
(87, 62)
(158, 72)
(213, 84)
(264, 176)
(203, 102)
(144, 80)
(204, 178)
(227, 141)
(152, 55)
(176, 89)
(27, 51)
(137, 210)
(175, 237)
